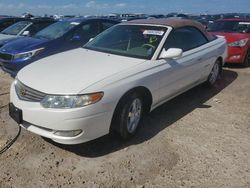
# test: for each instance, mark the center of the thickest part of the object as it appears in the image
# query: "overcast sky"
(86, 7)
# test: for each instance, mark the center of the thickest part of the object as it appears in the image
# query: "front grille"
(4, 56)
(28, 94)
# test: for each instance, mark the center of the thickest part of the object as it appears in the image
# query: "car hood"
(24, 44)
(5, 40)
(73, 71)
(232, 37)
(3, 36)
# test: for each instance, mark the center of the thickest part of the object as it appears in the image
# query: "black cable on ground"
(8, 145)
(1, 107)
(4, 94)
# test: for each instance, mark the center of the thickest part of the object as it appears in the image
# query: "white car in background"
(15, 30)
(110, 83)
(24, 28)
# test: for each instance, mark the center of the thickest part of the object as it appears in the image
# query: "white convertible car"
(110, 83)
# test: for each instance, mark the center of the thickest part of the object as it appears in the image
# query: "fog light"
(68, 133)
(234, 57)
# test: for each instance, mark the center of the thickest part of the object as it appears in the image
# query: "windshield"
(16, 28)
(56, 30)
(137, 41)
(230, 27)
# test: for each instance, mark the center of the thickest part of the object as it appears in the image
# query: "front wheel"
(214, 74)
(247, 59)
(128, 115)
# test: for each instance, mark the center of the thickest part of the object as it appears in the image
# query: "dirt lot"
(199, 139)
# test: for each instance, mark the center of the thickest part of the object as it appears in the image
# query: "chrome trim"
(28, 94)
(6, 56)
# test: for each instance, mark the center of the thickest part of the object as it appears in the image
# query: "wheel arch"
(220, 59)
(142, 91)
(246, 61)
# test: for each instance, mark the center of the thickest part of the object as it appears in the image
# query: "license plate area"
(15, 113)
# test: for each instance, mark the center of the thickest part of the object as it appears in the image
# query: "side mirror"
(171, 53)
(76, 38)
(26, 33)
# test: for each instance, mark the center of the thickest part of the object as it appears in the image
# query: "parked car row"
(73, 94)
(58, 37)
(24, 28)
(17, 51)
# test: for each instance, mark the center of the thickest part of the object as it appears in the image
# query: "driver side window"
(87, 31)
(174, 40)
(186, 38)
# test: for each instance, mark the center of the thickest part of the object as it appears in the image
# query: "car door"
(179, 74)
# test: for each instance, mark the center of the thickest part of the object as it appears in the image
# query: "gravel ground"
(199, 139)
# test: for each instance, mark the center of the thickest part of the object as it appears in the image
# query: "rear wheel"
(214, 74)
(247, 59)
(128, 115)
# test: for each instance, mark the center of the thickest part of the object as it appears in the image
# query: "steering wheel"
(148, 45)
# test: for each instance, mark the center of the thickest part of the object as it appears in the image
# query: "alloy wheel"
(214, 73)
(134, 115)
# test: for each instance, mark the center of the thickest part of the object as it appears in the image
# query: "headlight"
(27, 55)
(239, 43)
(70, 101)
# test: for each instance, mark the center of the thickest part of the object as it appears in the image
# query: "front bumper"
(12, 67)
(93, 120)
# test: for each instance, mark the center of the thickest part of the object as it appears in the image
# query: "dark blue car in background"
(58, 37)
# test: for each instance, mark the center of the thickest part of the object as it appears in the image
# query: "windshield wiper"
(41, 37)
(6, 33)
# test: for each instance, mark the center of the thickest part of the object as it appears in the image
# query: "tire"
(246, 62)
(214, 74)
(128, 115)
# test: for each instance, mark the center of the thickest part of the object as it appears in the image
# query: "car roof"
(82, 19)
(10, 17)
(174, 23)
(35, 20)
(235, 19)
(5, 17)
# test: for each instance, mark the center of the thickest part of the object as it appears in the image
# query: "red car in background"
(237, 34)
